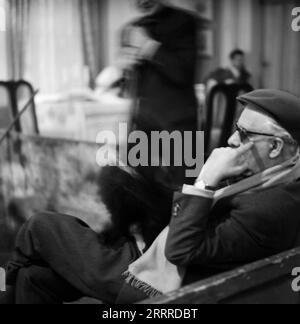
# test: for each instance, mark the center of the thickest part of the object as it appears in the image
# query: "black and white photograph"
(149, 155)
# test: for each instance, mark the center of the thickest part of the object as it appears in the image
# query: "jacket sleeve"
(194, 240)
(177, 60)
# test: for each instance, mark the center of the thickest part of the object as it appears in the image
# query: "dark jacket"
(235, 232)
(221, 75)
(165, 84)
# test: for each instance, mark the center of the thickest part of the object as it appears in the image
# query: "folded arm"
(194, 240)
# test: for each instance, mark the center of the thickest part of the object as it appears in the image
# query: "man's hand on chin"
(225, 163)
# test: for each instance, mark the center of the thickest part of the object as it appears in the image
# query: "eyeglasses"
(244, 135)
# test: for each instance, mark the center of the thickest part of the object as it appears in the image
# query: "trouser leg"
(74, 252)
(40, 285)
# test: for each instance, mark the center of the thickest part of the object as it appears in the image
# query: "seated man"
(244, 206)
(215, 231)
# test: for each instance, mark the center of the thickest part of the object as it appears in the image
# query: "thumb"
(245, 148)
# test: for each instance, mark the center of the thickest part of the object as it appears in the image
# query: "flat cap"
(282, 106)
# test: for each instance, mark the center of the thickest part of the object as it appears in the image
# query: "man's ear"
(276, 147)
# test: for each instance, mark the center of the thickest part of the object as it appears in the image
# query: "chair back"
(13, 96)
(222, 109)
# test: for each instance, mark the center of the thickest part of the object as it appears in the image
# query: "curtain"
(3, 45)
(17, 31)
(57, 45)
(93, 18)
(55, 60)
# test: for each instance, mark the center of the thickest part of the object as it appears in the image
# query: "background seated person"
(213, 235)
(243, 207)
(235, 73)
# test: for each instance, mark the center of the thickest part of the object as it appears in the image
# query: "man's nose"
(234, 140)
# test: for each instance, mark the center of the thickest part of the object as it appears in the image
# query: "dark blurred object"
(221, 114)
(13, 95)
(135, 198)
(162, 84)
(165, 82)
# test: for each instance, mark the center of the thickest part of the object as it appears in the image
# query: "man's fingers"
(245, 148)
(242, 168)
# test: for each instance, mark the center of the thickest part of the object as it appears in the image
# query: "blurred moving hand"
(139, 37)
(142, 47)
(128, 58)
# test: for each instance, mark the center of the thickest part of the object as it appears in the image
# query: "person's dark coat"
(165, 83)
(235, 232)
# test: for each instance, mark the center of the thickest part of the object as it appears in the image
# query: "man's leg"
(40, 285)
(74, 252)
(8, 297)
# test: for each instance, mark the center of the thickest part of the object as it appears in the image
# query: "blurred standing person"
(159, 54)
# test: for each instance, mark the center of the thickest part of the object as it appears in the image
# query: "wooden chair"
(13, 96)
(221, 112)
(268, 281)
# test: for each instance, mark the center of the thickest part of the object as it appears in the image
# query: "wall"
(263, 30)
(280, 47)
(235, 27)
(235, 24)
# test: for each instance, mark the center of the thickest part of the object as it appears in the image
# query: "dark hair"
(235, 53)
(134, 198)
